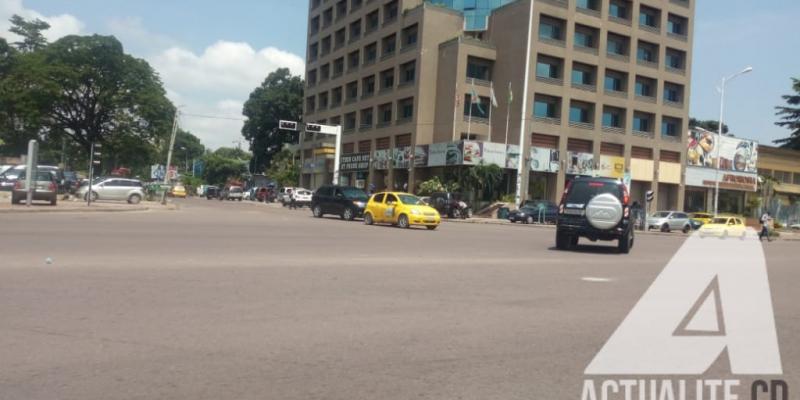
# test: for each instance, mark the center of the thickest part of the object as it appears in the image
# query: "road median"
(69, 206)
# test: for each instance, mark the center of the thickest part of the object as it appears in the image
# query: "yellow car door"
(377, 207)
(390, 209)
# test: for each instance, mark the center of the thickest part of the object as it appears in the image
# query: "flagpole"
(471, 103)
(491, 106)
(455, 112)
(508, 111)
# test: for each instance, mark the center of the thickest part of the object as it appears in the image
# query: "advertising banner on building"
(157, 172)
(473, 152)
(421, 155)
(454, 153)
(730, 180)
(354, 162)
(735, 154)
(401, 157)
(512, 156)
(494, 153)
(612, 166)
(437, 154)
(545, 160)
(381, 159)
(580, 163)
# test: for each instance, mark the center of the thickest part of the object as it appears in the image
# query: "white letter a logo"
(712, 296)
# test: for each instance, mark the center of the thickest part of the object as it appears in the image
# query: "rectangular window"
(551, 28)
(645, 87)
(613, 83)
(649, 17)
(584, 39)
(670, 127)
(546, 106)
(588, 4)
(673, 92)
(580, 112)
(479, 109)
(479, 68)
(642, 122)
(618, 9)
(545, 70)
(613, 117)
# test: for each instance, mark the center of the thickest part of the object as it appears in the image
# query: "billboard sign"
(730, 180)
(421, 155)
(545, 160)
(612, 166)
(735, 154)
(401, 157)
(580, 163)
(437, 154)
(473, 152)
(494, 153)
(354, 162)
(382, 158)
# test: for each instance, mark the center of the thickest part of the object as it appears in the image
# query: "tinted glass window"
(378, 198)
(580, 192)
(324, 191)
(354, 194)
(391, 198)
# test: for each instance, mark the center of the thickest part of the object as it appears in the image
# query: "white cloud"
(60, 25)
(217, 82)
(136, 37)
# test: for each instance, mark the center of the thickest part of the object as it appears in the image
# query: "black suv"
(347, 202)
(597, 209)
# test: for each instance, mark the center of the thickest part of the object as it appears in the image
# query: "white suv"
(114, 188)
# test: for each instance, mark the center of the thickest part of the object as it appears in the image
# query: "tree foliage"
(31, 33)
(709, 125)
(219, 169)
(279, 97)
(483, 180)
(283, 170)
(188, 147)
(435, 184)
(790, 117)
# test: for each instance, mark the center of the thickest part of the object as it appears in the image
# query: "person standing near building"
(766, 221)
(292, 200)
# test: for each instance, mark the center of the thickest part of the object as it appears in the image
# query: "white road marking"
(596, 280)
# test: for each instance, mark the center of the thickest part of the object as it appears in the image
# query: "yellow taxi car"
(723, 227)
(179, 191)
(702, 217)
(401, 209)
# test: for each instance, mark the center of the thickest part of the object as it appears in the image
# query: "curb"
(43, 210)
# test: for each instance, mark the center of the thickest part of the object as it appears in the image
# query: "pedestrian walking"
(766, 222)
(292, 200)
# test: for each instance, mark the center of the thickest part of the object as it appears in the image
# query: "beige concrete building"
(599, 87)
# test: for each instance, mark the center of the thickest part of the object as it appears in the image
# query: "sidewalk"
(790, 236)
(76, 206)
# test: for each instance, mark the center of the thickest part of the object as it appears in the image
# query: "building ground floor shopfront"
(735, 187)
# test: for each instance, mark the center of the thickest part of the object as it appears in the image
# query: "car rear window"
(354, 194)
(580, 192)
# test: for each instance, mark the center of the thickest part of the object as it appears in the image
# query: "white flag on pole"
(494, 98)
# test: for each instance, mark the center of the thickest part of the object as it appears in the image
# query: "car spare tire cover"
(604, 211)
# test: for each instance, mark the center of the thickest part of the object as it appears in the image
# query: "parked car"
(113, 188)
(9, 178)
(347, 202)
(302, 197)
(447, 203)
(234, 193)
(45, 188)
(4, 168)
(211, 192)
(667, 221)
(283, 195)
(542, 211)
(401, 209)
(597, 209)
(724, 227)
(178, 191)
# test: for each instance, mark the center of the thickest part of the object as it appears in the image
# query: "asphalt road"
(246, 301)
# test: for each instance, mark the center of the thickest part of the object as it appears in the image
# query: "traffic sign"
(650, 196)
(287, 125)
(326, 129)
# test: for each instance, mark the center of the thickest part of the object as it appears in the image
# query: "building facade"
(563, 87)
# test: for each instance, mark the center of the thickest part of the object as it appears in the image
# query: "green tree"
(790, 117)
(219, 169)
(87, 89)
(709, 125)
(232, 153)
(31, 33)
(283, 169)
(279, 97)
(188, 147)
(481, 180)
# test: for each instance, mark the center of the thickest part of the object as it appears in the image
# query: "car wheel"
(432, 227)
(348, 214)
(134, 199)
(665, 228)
(561, 241)
(368, 219)
(402, 222)
(529, 220)
(317, 211)
(626, 242)
(92, 194)
(686, 229)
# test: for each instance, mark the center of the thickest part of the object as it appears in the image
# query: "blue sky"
(191, 41)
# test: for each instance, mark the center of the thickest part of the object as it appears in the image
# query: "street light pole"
(718, 143)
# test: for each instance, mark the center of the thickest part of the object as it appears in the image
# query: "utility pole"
(169, 154)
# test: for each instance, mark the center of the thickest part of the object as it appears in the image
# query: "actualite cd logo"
(700, 316)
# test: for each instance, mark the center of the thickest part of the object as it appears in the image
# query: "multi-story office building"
(599, 87)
